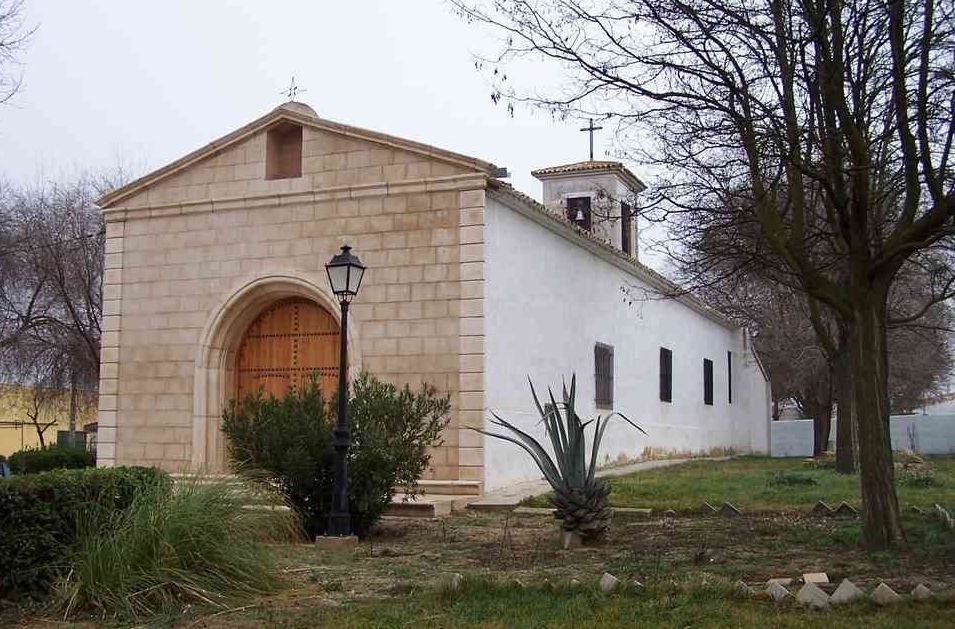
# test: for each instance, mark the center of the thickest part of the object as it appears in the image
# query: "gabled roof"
(304, 115)
(591, 167)
(540, 214)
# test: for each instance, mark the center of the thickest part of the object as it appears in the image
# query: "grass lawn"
(748, 483)
(484, 605)
(517, 576)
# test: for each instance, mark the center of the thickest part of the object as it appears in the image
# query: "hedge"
(53, 457)
(39, 515)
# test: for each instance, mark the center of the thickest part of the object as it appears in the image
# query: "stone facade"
(197, 250)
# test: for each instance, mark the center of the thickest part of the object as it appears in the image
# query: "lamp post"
(344, 274)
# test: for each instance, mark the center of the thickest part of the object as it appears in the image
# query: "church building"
(215, 285)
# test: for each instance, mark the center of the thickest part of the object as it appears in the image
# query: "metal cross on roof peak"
(292, 90)
(591, 128)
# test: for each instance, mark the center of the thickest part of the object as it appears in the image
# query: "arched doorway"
(289, 340)
(218, 347)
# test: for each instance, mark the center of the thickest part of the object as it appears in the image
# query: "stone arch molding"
(219, 342)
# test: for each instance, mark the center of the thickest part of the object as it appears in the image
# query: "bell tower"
(599, 197)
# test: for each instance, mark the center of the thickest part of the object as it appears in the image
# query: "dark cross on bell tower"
(591, 128)
(292, 90)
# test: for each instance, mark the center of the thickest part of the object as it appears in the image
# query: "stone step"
(439, 498)
(436, 506)
(427, 487)
(493, 504)
(450, 487)
(204, 479)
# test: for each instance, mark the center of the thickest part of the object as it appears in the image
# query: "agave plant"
(580, 499)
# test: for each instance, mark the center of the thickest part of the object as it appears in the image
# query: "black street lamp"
(344, 274)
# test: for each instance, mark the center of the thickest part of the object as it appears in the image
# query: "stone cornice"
(469, 181)
(589, 169)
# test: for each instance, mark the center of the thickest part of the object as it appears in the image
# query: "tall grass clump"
(40, 514)
(200, 544)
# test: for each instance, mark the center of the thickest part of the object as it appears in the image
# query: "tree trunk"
(846, 437)
(34, 414)
(870, 402)
(821, 425)
(820, 410)
(73, 408)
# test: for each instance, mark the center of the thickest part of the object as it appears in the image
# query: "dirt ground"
(406, 555)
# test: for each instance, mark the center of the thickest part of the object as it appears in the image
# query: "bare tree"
(13, 37)
(43, 409)
(803, 372)
(51, 268)
(830, 124)
(921, 323)
(803, 345)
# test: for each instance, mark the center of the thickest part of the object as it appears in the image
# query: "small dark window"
(729, 377)
(578, 211)
(666, 375)
(626, 227)
(708, 381)
(603, 375)
(283, 151)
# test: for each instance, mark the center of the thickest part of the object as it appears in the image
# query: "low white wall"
(548, 301)
(928, 434)
(791, 437)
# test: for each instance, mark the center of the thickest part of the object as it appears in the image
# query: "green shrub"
(290, 441)
(908, 460)
(912, 470)
(918, 477)
(199, 545)
(825, 461)
(790, 478)
(53, 457)
(39, 515)
(393, 431)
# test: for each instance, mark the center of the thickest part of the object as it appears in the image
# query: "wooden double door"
(289, 340)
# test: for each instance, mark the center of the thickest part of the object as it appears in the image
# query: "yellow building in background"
(19, 404)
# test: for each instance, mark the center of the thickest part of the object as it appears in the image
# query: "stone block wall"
(178, 250)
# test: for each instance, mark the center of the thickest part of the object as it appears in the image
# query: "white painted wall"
(548, 300)
(792, 437)
(944, 407)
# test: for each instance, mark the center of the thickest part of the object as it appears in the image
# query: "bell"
(580, 215)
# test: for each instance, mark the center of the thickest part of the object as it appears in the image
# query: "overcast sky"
(109, 82)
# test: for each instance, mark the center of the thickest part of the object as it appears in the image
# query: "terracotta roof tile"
(588, 166)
